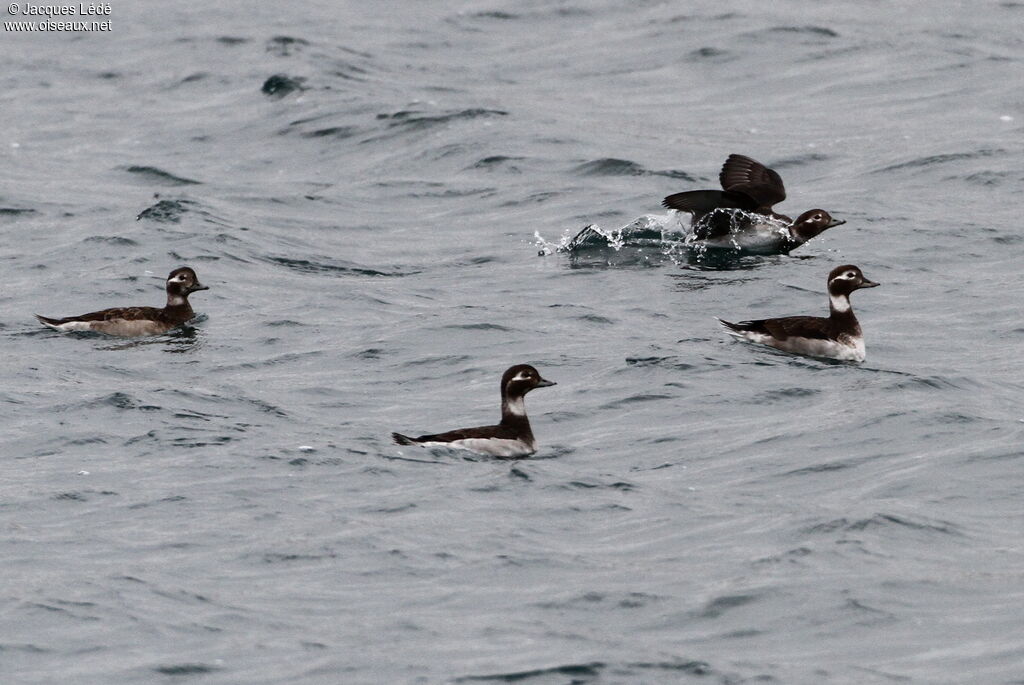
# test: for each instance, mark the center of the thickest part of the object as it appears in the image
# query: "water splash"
(763, 239)
(592, 234)
(651, 239)
(646, 231)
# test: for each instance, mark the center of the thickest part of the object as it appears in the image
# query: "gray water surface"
(367, 188)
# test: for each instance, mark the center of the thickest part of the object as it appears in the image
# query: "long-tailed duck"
(511, 437)
(740, 216)
(136, 321)
(837, 337)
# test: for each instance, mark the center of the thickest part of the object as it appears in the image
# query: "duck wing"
(499, 431)
(700, 202)
(814, 327)
(122, 313)
(745, 176)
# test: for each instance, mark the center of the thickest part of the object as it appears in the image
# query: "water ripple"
(159, 176)
(327, 265)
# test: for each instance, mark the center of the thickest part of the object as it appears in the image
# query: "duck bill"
(198, 286)
(835, 222)
(868, 284)
(544, 383)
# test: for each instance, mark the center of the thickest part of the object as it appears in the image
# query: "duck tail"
(402, 439)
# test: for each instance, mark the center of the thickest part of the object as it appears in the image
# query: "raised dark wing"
(700, 202)
(746, 176)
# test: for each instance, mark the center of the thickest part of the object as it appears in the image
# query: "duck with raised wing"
(136, 321)
(741, 215)
(836, 337)
(511, 437)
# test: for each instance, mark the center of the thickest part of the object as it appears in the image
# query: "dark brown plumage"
(746, 184)
(782, 328)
